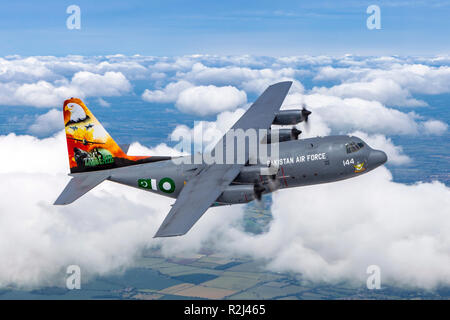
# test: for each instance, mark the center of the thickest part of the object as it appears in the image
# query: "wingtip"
(167, 235)
(166, 231)
(59, 202)
(283, 83)
(56, 203)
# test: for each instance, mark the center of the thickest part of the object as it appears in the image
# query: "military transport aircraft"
(280, 161)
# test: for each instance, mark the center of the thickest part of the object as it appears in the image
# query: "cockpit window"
(353, 146)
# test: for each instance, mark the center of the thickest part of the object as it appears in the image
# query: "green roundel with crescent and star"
(166, 185)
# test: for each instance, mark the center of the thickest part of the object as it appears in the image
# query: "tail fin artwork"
(92, 151)
(90, 147)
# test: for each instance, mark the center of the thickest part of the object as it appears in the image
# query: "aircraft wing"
(262, 112)
(197, 196)
(203, 189)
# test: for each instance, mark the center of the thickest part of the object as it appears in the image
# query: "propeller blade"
(295, 133)
(305, 113)
(273, 183)
(258, 189)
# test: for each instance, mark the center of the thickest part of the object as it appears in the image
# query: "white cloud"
(204, 100)
(109, 84)
(169, 94)
(254, 80)
(435, 127)
(46, 81)
(358, 103)
(410, 77)
(28, 69)
(158, 75)
(137, 149)
(174, 64)
(205, 134)
(38, 94)
(365, 221)
(261, 84)
(385, 91)
(378, 141)
(28, 154)
(47, 123)
(40, 240)
(50, 68)
(102, 102)
(131, 69)
(201, 100)
(46, 94)
(342, 74)
(418, 78)
(331, 240)
(349, 114)
(306, 60)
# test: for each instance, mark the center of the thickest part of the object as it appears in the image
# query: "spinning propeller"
(305, 115)
(272, 182)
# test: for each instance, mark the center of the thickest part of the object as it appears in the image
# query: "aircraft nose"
(377, 158)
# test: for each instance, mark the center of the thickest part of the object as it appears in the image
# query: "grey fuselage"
(299, 163)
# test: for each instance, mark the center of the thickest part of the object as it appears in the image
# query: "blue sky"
(177, 27)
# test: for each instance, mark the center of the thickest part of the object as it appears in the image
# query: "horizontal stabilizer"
(79, 185)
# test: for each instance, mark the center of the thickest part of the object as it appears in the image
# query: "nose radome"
(377, 158)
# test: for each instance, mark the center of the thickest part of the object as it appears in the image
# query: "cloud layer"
(47, 94)
(366, 220)
(200, 100)
(367, 87)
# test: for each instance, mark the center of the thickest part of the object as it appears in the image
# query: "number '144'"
(348, 162)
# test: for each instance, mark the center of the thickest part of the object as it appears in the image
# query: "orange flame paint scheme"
(90, 147)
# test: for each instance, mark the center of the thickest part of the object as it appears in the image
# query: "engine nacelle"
(283, 135)
(237, 194)
(288, 117)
